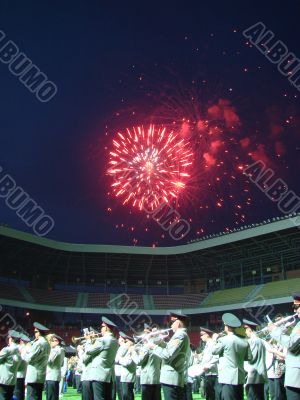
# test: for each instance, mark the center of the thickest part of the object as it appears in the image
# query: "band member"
(174, 358)
(292, 361)
(19, 391)
(257, 373)
(36, 356)
(128, 369)
(53, 372)
(87, 392)
(209, 364)
(99, 358)
(120, 353)
(233, 351)
(150, 368)
(9, 361)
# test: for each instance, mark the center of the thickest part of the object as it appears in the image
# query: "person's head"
(296, 304)
(39, 330)
(54, 341)
(12, 337)
(249, 327)
(24, 339)
(231, 322)
(107, 326)
(178, 321)
(205, 334)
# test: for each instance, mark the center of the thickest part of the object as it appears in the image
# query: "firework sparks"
(149, 166)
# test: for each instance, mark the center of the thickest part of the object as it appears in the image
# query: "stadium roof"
(24, 255)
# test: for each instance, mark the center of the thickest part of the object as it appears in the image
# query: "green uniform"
(10, 359)
(233, 351)
(99, 358)
(292, 359)
(37, 359)
(174, 359)
(257, 372)
(150, 366)
(128, 375)
(55, 360)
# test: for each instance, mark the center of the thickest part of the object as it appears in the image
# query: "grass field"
(72, 395)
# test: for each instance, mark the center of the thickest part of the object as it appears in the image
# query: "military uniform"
(128, 372)
(150, 373)
(118, 368)
(19, 391)
(233, 351)
(292, 361)
(53, 373)
(173, 369)
(9, 361)
(257, 372)
(37, 359)
(99, 357)
(209, 362)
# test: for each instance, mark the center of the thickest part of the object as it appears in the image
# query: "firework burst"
(149, 166)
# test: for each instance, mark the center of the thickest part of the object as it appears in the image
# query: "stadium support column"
(261, 271)
(283, 271)
(242, 276)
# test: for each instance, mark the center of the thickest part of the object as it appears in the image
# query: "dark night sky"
(113, 64)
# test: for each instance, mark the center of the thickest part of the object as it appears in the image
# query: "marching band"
(239, 360)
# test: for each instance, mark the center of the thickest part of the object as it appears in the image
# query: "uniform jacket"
(10, 359)
(150, 366)
(37, 359)
(292, 361)
(22, 368)
(209, 360)
(55, 360)
(257, 372)
(128, 368)
(233, 351)
(99, 359)
(174, 358)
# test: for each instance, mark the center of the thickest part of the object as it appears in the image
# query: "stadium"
(251, 271)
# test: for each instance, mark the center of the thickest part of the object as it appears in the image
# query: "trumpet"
(76, 340)
(287, 321)
(147, 336)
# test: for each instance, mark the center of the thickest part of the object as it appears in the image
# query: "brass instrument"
(77, 340)
(147, 336)
(287, 321)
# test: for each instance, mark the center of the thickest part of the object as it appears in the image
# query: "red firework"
(149, 166)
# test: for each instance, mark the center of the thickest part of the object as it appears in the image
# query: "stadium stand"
(10, 292)
(229, 296)
(280, 288)
(98, 299)
(178, 301)
(54, 297)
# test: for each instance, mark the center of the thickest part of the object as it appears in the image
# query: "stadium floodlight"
(253, 272)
